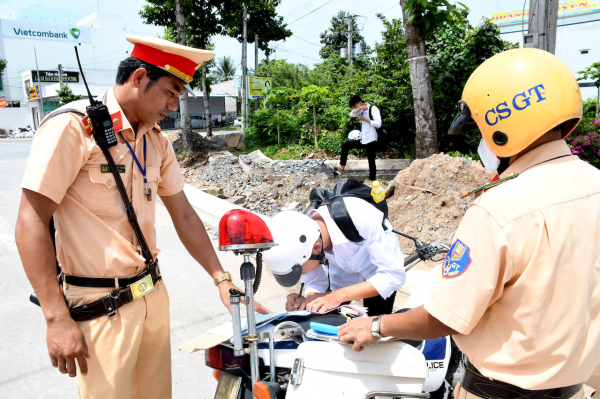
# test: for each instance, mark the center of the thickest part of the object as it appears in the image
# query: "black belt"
(108, 304)
(474, 382)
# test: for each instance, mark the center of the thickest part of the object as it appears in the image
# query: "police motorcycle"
(285, 355)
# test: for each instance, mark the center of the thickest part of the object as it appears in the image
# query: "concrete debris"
(281, 185)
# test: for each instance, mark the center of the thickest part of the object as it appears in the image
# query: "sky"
(305, 18)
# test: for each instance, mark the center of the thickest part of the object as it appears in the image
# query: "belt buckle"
(142, 287)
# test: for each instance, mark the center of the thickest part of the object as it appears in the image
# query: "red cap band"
(160, 58)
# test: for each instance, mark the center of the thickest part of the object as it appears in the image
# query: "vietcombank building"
(29, 87)
(100, 40)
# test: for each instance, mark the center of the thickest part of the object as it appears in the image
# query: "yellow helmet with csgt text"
(516, 97)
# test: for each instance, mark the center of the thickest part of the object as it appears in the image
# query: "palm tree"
(225, 69)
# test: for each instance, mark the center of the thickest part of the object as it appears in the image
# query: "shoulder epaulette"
(489, 185)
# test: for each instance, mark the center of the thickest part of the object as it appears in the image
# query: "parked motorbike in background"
(23, 132)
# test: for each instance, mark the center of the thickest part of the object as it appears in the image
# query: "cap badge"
(180, 74)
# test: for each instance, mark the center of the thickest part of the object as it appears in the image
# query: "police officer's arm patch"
(457, 260)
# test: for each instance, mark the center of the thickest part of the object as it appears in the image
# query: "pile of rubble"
(277, 185)
(426, 201)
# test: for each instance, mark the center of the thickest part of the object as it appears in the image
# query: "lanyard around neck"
(142, 170)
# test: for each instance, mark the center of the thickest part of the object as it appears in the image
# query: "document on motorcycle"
(348, 310)
(224, 333)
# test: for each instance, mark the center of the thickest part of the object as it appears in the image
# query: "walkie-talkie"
(99, 116)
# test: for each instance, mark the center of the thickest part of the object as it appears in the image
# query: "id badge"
(142, 287)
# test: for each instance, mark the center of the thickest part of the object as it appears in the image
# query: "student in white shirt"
(372, 270)
(371, 121)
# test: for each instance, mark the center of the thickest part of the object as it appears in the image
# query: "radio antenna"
(92, 101)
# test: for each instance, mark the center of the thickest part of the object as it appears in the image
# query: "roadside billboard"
(52, 76)
(34, 30)
(258, 86)
(565, 9)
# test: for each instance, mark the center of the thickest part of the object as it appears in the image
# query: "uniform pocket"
(153, 177)
(102, 194)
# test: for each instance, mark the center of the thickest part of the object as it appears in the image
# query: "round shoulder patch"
(457, 260)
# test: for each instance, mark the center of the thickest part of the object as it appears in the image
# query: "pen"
(301, 289)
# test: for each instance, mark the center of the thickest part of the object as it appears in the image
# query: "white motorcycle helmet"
(354, 135)
(295, 234)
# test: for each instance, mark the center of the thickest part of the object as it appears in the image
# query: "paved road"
(25, 370)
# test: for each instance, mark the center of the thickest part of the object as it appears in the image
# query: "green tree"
(312, 95)
(66, 96)
(277, 96)
(592, 72)
(202, 19)
(263, 22)
(421, 19)
(334, 38)
(285, 74)
(453, 53)
(224, 69)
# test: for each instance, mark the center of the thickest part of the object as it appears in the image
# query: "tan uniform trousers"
(130, 353)
(460, 393)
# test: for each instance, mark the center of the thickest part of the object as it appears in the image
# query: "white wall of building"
(10, 117)
(573, 35)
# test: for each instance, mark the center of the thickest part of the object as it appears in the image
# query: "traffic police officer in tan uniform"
(520, 287)
(125, 352)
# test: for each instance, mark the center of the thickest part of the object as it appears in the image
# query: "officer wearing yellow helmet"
(520, 286)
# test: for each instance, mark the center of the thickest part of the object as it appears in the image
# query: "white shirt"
(369, 130)
(378, 259)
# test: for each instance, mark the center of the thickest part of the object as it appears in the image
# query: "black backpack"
(334, 199)
(378, 129)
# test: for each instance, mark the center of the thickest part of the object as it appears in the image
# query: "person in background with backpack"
(371, 124)
(372, 270)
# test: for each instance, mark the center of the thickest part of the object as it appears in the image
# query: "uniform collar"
(542, 153)
(120, 122)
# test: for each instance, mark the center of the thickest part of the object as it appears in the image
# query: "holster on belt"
(128, 290)
(479, 385)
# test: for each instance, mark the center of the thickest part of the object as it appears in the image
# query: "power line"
(314, 44)
(311, 12)
(299, 54)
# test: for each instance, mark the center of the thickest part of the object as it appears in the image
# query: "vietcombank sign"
(32, 30)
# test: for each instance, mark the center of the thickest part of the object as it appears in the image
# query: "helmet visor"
(291, 278)
(463, 121)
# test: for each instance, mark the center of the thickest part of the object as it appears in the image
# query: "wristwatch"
(223, 277)
(375, 325)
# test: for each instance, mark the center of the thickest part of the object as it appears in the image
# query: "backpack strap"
(370, 113)
(340, 215)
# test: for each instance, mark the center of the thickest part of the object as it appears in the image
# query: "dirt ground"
(426, 202)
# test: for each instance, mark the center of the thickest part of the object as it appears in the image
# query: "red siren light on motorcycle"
(241, 230)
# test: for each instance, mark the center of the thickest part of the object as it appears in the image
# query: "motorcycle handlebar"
(411, 258)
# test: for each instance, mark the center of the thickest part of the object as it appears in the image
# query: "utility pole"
(60, 76)
(349, 33)
(40, 86)
(245, 108)
(255, 65)
(543, 20)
